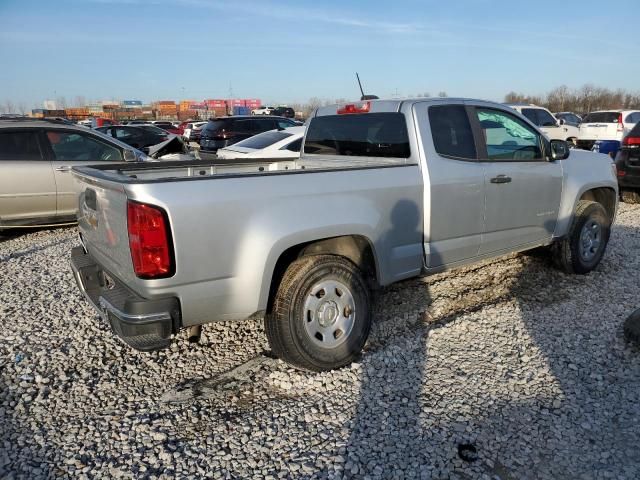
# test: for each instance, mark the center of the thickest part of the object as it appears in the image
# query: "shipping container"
(166, 102)
(241, 111)
(132, 103)
(216, 103)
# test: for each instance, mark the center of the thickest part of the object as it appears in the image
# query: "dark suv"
(286, 112)
(628, 165)
(224, 131)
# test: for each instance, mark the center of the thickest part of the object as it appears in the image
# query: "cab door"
(522, 188)
(454, 184)
(27, 184)
(71, 148)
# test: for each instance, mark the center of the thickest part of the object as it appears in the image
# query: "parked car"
(191, 130)
(569, 118)
(553, 128)
(262, 111)
(36, 157)
(224, 131)
(137, 136)
(383, 191)
(606, 125)
(628, 165)
(167, 126)
(139, 122)
(273, 144)
(287, 112)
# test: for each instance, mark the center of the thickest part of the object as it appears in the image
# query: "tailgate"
(598, 131)
(102, 220)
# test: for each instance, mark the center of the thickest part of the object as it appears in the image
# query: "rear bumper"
(141, 323)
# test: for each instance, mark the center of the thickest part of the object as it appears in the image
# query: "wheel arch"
(605, 196)
(356, 248)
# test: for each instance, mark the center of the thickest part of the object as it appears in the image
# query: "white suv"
(606, 125)
(263, 111)
(553, 128)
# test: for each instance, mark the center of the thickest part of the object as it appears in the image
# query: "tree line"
(583, 100)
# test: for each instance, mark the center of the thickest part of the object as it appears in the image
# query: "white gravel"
(511, 358)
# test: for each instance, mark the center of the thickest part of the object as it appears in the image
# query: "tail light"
(149, 241)
(354, 108)
(631, 141)
(620, 123)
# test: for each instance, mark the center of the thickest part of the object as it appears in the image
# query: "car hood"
(173, 145)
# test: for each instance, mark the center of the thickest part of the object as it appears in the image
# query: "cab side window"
(19, 146)
(508, 138)
(69, 146)
(451, 131)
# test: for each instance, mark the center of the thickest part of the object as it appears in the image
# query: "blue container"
(241, 110)
(608, 147)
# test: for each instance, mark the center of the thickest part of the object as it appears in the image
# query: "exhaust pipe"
(194, 333)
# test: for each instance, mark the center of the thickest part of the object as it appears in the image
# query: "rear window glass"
(632, 118)
(19, 146)
(263, 140)
(601, 117)
(451, 131)
(215, 126)
(364, 135)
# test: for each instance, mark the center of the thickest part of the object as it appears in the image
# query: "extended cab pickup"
(383, 191)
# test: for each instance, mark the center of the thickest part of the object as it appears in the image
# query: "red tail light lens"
(631, 141)
(149, 241)
(355, 108)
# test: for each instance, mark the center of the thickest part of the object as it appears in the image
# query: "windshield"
(368, 135)
(263, 140)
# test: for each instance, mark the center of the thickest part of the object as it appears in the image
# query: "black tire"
(569, 254)
(632, 327)
(290, 325)
(630, 196)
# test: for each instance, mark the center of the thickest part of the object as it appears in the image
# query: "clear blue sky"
(291, 50)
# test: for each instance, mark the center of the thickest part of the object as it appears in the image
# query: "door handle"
(501, 179)
(63, 168)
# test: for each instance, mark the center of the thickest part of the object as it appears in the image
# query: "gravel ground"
(507, 370)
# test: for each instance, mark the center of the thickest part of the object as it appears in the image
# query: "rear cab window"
(366, 135)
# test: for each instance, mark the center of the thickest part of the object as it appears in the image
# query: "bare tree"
(61, 102)
(22, 108)
(443, 94)
(79, 101)
(9, 107)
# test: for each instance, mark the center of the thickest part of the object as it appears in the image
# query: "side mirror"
(559, 150)
(562, 121)
(130, 156)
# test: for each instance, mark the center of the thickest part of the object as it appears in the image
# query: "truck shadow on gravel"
(534, 384)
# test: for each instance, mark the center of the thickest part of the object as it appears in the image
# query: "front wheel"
(321, 314)
(583, 248)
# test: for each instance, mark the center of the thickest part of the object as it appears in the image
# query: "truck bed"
(154, 172)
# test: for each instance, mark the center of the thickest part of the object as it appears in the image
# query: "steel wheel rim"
(590, 240)
(329, 313)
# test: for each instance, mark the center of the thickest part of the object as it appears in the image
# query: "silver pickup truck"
(383, 191)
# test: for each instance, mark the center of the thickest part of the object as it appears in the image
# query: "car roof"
(7, 122)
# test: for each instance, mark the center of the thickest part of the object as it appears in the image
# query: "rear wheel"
(582, 249)
(630, 196)
(321, 314)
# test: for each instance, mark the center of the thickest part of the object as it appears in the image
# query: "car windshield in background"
(263, 140)
(539, 117)
(364, 135)
(602, 117)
